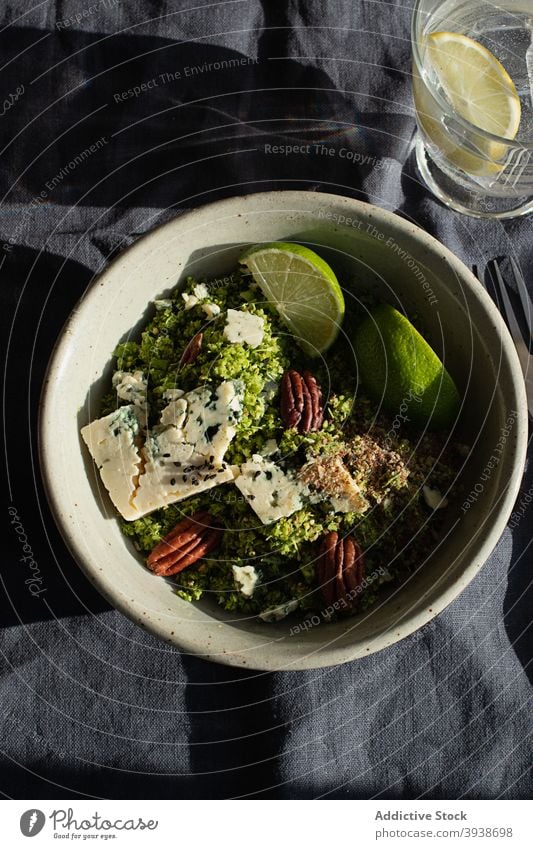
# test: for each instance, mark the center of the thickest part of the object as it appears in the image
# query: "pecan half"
(340, 570)
(301, 401)
(191, 350)
(191, 539)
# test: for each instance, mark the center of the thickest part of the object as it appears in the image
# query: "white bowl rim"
(331, 656)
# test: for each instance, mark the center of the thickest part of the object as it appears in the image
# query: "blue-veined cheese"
(212, 416)
(269, 390)
(275, 614)
(173, 470)
(433, 498)
(181, 456)
(190, 301)
(211, 310)
(131, 387)
(175, 412)
(199, 293)
(328, 479)
(242, 327)
(172, 394)
(246, 579)
(163, 304)
(270, 492)
(269, 448)
(184, 454)
(112, 441)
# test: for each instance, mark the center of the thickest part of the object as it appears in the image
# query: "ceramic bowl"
(371, 250)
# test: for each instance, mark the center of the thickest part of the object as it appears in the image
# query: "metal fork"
(522, 345)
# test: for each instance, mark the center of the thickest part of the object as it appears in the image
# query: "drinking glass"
(469, 169)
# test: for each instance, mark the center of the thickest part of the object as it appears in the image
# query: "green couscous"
(399, 473)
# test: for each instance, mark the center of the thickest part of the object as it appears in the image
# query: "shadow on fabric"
(132, 120)
(41, 289)
(518, 602)
(234, 737)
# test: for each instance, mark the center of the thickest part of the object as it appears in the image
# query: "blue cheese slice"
(190, 301)
(212, 417)
(182, 456)
(270, 492)
(173, 470)
(112, 441)
(244, 327)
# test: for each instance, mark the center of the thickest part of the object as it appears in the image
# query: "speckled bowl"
(381, 253)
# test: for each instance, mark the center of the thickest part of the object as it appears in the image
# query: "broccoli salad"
(251, 474)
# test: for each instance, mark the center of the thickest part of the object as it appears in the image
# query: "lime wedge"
(304, 290)
(480, 90)
(400, 370)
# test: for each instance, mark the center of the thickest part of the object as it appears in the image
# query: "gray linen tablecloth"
(176, 104)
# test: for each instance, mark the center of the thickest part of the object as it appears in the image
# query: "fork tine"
(526, 359)
(524, 295)
(514, 327)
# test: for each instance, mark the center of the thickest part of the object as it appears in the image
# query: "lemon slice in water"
(480, 90)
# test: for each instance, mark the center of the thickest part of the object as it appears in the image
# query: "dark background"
(91, 705)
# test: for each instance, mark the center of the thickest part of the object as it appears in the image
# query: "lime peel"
(303, 288)
(398, 367)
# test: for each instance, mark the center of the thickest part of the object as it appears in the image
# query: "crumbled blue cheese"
(190, 300)
(172, 394)
(349, 504)
(163, 304)
(275, 614)
(244, 327)
(269, 448)
(246, 579)
(269, 390)
(270, 492)
(211, 310)
(329, 479)
(434, 498)
(175, 412)
(201, 291)
(112, 441)
(349, 498)
(131, 387)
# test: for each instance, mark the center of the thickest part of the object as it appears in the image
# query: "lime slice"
(400, 370)
(304, 290)
(480, 90)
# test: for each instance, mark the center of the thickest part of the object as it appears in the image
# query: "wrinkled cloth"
(117, 117)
